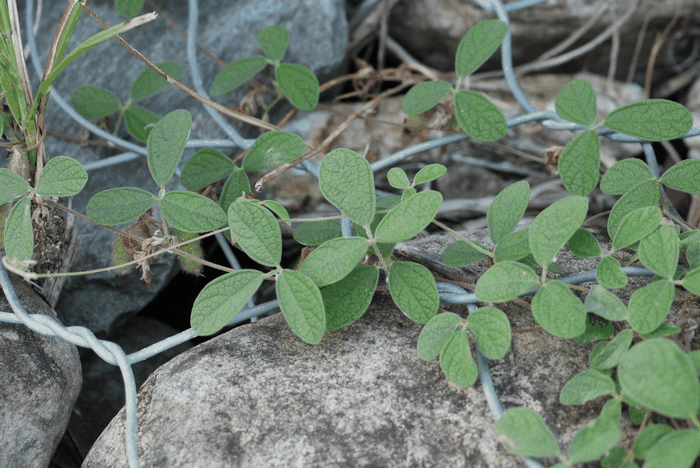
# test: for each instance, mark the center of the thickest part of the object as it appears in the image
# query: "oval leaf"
(636, 225)
(523, 432)
(480, 42)
(678, 449)
(349, 298)
(207, 166)
(479, 117)
(424, 96)
(166, 143)
(648, 437)
(659, 251)
(513, 246)
(119, 206)
(652, 119)
(436, 333)
(505, 281)
(62, 177)
(603, 303)
(456, 360)
(128, 8)
(428, 173)
(346, 180)
(413, 290)
(19, 237)
(579, 163)
(576, 102)
(650, 305)
(94, 103)
(460, 254)
(236, 186)
(397, 178)
(235, 74)
(256, 231)
(658, 375)
(302, 305)
(334, 260)
(317, 232)
(584, 245)
(222, 299)
(149, 82)
(684, 176)
(191, 212)
(559, 311)
(272, 149)
(298, 84)
(624, 175)
(273, 41)
(11, 185)
(492, 331)
(139, 122)
(554, 226)
(409, 217)
(586, 386)
(507, 209)
(610, 355)
(609, 273)
(594, 440)
(691, 281)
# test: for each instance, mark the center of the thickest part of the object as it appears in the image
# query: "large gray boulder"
(40, 378)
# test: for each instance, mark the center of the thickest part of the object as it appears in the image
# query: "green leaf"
(397, 178)
(436, 333)
(257, 232)
(659, 375)
(409, 218)
(594, 440)
(659, 251)
(579, 163)
(278, 209)
(505, 281)
(683, 176)
(695, 357)
(302, 305)
(349, 298)
(424, 96)
(480, 42)
(139, 122)
(652, 119)
(559, 311)
(11, 185)
(586, 386)
(19, 237)
(624, 175)
(334, 259)
(650, 305)
(678, 449)
(207, 166)
(478, 117)
(523, 432)
(603, 303)
(692, 254)
(636, 225)
(149, 82)
(128, 8)
(691, 281)
(646, 193)
(273, 41)
(191, 212)
(235, 74)
(584, 245)
(119, 205)
(610, 356)
(408, 193)
(648, 437)
(576, 102)
(615, 458)
(507, 209)
(492, 331)
(62, 177)
(222, 299)
(236, 186)
(460, 254)
(189, 266)
(428, 173)
(456, 360)
(166, 143)
(513, 246)
(609, 273)
(317, 232)
(665, 329)
(94, 103)
(346, 180)
(298, 84)
(272, 149)
(596, 329)
(413, 290)
(554, 226)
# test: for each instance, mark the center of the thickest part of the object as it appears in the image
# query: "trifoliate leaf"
(413, 290)
(301, 304)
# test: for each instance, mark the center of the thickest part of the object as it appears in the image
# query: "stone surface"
(40, 378)
(318, 32)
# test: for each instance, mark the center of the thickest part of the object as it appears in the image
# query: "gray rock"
(318, 40)
(40, 378)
